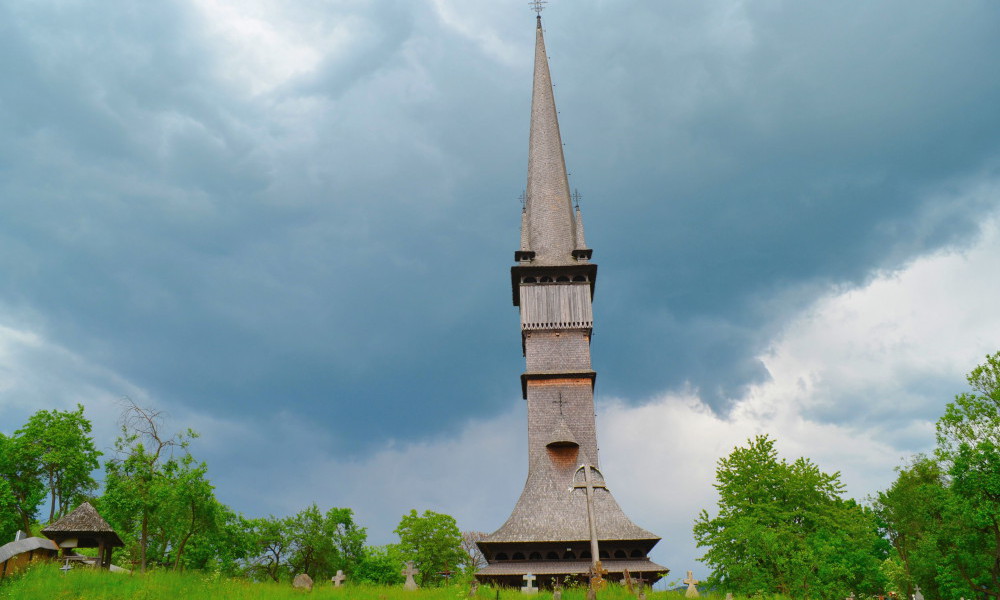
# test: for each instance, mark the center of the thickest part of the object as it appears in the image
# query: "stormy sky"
(289, 226)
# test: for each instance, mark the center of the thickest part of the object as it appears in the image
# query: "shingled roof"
(83, 521)
(550, 509)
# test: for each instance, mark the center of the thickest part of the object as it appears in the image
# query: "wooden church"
(566, 523)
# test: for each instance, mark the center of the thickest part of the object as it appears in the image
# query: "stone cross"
(409, 571)
(529, 588)
(918, 595)
(557, 590)
(339, 578)
(692, 591)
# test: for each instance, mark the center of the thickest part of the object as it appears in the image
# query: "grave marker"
(409, 572)
(338, 579)
(692, 591)
(529, 581)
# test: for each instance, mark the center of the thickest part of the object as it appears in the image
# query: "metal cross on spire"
(538, 6)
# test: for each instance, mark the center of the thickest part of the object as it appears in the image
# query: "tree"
(21, 488)
(784, 528)
(911, 509)
(474, 558)
(140, 489)
(380, 565)
(272, 543)
(324, 543)
(968, 446)
(61, 445)
(432, 541)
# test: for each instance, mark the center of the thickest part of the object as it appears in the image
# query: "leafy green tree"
(21, 487)
(140, 498)
(784, 528)
(226, 549)
(271, 547)
(189, 508)
(380, 565)
(432, 541)
(968, 437)
(911, 509)
(61, 445)
(943, 512)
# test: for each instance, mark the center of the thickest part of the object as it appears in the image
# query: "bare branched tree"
(476, 559)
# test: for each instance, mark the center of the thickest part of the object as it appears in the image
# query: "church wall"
(577, 413)
(557, 350)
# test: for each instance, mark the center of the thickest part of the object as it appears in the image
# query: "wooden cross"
(589, 485)
(627, 580)
(640, 583)
(339, 578)
(529, 588)
(409, 571)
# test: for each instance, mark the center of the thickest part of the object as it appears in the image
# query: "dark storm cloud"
(736, 150)
(337, 246)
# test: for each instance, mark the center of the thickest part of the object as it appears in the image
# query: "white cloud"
(264, 43)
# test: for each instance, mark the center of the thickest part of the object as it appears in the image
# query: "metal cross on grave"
(66, 568)
(529, 581)
(692, 591)
(338, 579)
(597, 573)
(409, 572)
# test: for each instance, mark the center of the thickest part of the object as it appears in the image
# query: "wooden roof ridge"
(83, 519)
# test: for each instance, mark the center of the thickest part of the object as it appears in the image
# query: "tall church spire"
(549, 228)
(566, 521)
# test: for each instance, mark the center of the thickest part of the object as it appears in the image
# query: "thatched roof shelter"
(85, 528)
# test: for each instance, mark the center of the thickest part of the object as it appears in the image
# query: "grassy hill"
(45, 581)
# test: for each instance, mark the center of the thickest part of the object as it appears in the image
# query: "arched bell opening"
(563, 454)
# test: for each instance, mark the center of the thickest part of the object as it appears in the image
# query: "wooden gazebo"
(84, 528)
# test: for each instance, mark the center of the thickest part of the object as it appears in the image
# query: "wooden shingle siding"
(556, 306)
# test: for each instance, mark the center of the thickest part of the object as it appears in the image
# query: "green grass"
(44, 581)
